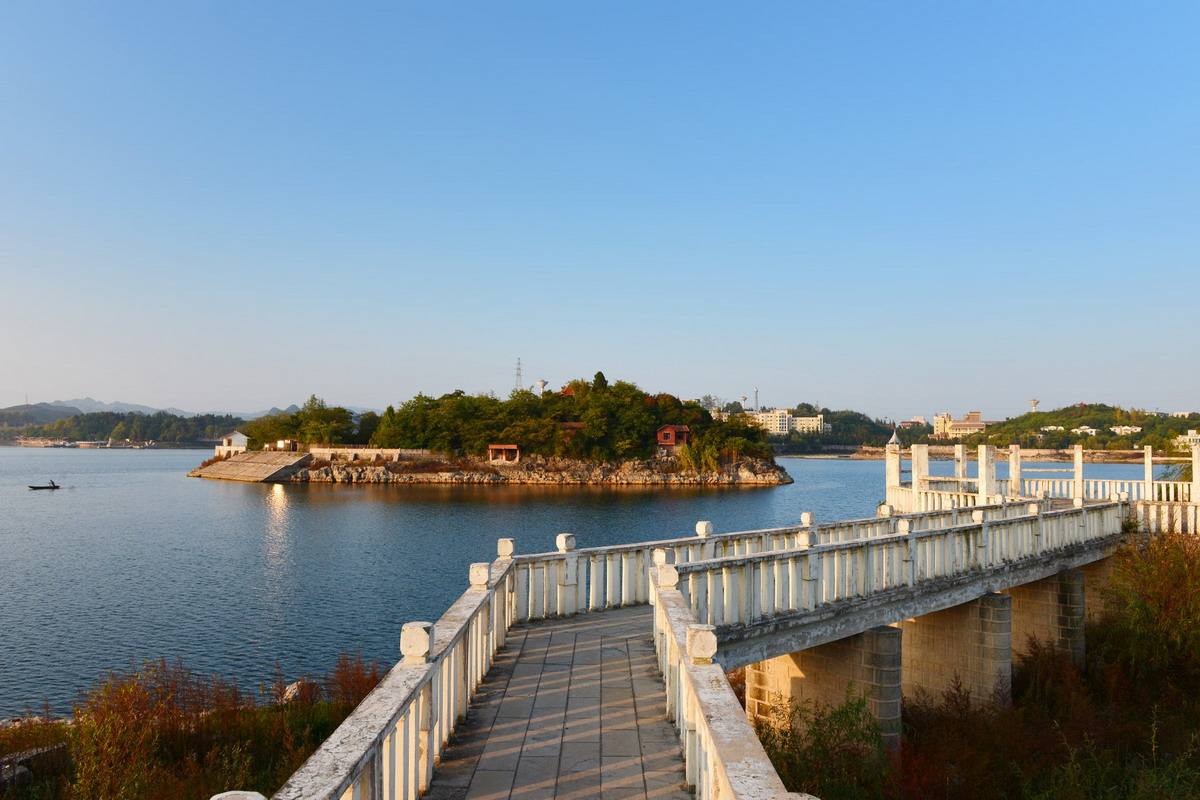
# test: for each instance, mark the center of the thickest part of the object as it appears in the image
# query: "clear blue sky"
(898, 207)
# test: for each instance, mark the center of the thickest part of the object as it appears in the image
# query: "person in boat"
(55, 485)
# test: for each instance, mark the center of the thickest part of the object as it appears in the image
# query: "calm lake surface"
(133, 560)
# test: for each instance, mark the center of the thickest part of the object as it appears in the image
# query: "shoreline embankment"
(547, 472)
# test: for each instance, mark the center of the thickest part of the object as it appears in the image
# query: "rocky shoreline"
(550, 472)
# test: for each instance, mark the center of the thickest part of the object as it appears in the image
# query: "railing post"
(668, 576)
(808, 536)
(1077, 484)
(704, 529)
(903, 526)
(891, 466)
(982, 545)
(480, 574)
(1014, 470)
(960, 461)
(416, 638)
(920, 467)
(1194, 497)
(986, 484)
(660, 556)
(701, 643)
(568, 576)
(1148, 473)
(1035, 509)
(505, 548)
(1079, 519)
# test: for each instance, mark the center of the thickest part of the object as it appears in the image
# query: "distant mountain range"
(34, 414)
(88, 405)
(43, 413)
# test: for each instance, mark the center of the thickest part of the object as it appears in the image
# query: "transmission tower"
(518, 383)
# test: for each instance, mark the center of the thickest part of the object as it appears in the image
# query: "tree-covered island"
(589, 431)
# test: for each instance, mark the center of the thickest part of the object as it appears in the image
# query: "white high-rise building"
(780, 422)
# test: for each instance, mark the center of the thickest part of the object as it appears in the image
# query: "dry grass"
(164, 731)
(208, 462)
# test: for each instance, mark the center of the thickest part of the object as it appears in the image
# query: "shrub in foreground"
(163, 731)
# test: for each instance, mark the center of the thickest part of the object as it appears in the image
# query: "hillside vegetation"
(1026, 430)
(136, 427)
(592, 420)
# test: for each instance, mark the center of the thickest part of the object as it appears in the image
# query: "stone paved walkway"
(572, 708)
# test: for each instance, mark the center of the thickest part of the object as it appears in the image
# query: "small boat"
(50, 485)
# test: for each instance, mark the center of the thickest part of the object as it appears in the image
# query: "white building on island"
(1125, 430)
(232, 444)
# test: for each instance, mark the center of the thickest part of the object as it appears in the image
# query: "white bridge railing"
(722, 755)
(1167, 517)
(747, 589)
(388, 747)
(926, 492)
(569, 581)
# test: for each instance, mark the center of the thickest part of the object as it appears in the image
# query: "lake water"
(133, 560)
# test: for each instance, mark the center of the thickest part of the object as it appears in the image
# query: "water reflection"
(276, 555)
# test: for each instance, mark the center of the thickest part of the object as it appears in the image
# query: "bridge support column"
(1095, 579)
(868, 663)
(972, 642)
(1051, 610)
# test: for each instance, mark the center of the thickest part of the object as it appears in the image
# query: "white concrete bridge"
(601, 672)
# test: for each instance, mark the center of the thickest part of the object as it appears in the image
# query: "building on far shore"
(780, 422)
(231, 444)
(1186, 441)
(1125, 430)
(947, 427)
(1085, 430)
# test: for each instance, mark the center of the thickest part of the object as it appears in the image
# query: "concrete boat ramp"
(255, 467)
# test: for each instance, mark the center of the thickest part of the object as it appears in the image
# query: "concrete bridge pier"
(1050, 610)
(971, 642)
(867, 664)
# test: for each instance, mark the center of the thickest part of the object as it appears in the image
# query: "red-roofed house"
(671, 436)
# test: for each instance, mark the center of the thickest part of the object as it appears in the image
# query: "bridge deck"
(572, 708)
